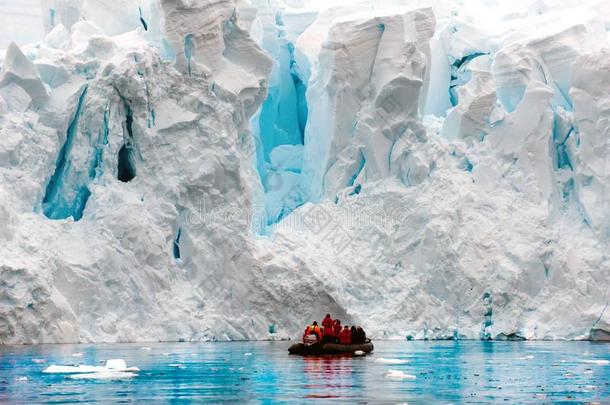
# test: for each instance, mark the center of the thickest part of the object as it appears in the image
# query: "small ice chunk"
(38, 361)
(114, 365)
(77, 354)
(399, 375)
(598, 362)
(383, 360)
(248, 354)
(529, 357)
(145, 348)
(21, 379)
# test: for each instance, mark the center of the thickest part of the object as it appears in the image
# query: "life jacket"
(314, 330)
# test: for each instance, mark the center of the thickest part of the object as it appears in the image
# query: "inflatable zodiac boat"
(319, 349)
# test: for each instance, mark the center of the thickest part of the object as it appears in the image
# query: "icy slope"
(143, 156)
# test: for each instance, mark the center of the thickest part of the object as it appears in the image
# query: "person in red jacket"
(337, 328)
(329, 332)
(328, 321)
(345, 336)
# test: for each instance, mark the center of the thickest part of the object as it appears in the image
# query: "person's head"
(353, 328)
(328, 315)
(359, 327)
(337, 322)
(346, 327)
(315, 323)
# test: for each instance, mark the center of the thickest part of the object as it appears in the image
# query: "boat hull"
(320, 349)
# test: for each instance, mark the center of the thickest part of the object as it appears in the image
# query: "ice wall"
(126, 193)
(507, 137)
(450, 179)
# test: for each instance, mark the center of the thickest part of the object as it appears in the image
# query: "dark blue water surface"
(263, 372)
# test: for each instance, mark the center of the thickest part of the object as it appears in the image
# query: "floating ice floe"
(399, 375)
(383, 360)
(38, 361)
(112, 365)
(598, 362)
(145, 348)
(247, 354)
(21, 379)
(529, 357)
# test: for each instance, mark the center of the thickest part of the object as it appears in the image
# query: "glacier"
(225, 170)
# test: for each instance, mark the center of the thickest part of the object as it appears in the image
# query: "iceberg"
(226, 170)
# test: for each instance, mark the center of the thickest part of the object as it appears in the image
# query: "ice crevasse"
(222, 170)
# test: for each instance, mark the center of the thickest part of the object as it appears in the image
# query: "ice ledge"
(18, 69)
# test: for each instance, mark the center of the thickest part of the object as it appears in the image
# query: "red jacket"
(337, 329)
(329, 331)
(345, 337)
(328, 321)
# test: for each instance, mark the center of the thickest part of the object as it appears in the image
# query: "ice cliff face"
(219, 170)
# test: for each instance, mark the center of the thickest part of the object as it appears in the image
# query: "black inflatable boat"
(319, 349)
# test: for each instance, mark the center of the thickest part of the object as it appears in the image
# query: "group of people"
(333, 332)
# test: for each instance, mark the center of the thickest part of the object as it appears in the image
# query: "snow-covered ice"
(112, 365)
(232, 169)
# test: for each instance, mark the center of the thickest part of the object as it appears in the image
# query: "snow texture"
(225, 170)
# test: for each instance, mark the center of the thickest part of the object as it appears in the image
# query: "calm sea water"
(263, 372)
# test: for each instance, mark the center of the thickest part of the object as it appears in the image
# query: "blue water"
(263, 372)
